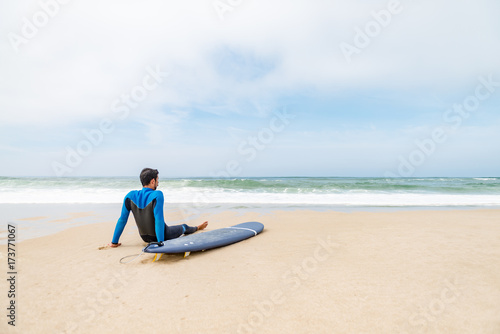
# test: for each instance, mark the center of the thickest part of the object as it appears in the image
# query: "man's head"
(148, 175)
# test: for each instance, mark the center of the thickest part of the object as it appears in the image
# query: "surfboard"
(206, 240)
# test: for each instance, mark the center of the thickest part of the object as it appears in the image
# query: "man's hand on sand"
(112, 245)
(202, 226)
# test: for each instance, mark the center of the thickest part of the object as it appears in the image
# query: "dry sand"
(308, 272)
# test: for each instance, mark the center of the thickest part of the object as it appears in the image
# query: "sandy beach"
(308, 272)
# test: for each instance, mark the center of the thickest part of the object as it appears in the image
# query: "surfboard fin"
(157, 256)
(186, 254)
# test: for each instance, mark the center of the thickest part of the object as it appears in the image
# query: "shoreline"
(37, 219)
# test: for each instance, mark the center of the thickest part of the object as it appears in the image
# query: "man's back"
(149, 228)
(143, 197)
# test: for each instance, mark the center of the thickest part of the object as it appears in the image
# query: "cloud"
(90, 53)
(161, 127)
(223, 73)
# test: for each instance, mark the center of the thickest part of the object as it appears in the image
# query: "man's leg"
(172, 232)
(189, 229)
(192, 229)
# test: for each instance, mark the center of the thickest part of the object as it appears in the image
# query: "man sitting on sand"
(147, 206)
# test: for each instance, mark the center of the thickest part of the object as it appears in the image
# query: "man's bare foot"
(202, 226)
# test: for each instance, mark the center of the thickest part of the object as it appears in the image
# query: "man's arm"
(159, 220)
(120, 224)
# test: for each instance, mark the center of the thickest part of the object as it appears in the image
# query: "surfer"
(147, 207)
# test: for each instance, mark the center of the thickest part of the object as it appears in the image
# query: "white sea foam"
(207, 196)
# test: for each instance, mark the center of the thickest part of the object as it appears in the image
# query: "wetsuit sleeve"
(122, 221)
(159, 220)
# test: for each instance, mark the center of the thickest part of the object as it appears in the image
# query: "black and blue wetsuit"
(147, 207)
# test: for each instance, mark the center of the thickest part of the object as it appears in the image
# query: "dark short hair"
(148, 174)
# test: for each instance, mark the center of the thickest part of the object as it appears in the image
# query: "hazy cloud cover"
(207, 85)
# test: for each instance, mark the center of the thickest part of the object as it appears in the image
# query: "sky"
(239, 88)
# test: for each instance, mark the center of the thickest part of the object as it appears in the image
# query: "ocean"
(45, 205)
(327, 192)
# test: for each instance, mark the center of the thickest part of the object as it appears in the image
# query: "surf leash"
(136, 257)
